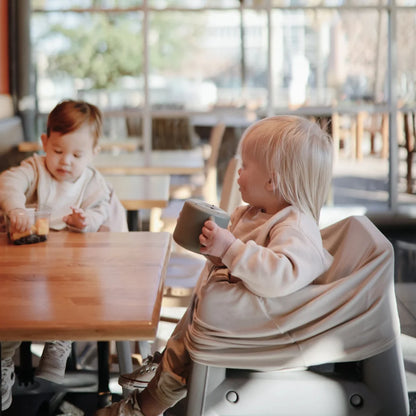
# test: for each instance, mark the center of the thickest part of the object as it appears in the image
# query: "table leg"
(133, 220)
(359, 135)
(156, 222)
(104, 394)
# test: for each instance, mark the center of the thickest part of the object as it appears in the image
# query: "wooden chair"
(409, 130)
(205, 185)
(173, 133)
(197, 186)
(184, 268)
(343, 130)
(378, 123)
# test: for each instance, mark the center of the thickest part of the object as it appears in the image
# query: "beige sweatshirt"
(275, 255)
(31, 183)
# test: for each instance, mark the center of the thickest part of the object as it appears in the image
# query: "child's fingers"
(203, 240)
(79, 212)
(210, 224)
(20, 222)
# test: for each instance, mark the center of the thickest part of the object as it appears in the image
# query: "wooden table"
(141, 191)
(83, 286)
(137, 192)
(161, 162)
(130, 145)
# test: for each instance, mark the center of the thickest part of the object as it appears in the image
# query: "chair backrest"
(209, 191)
(173, 133)
(134, 125)
(230, 195)
(353, 242)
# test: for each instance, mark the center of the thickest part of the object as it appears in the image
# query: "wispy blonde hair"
(297, 154)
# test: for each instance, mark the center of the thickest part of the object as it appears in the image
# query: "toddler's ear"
(269, 185)
(96, 150)
(44, 139)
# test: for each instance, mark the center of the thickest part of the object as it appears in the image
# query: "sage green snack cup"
(191, 220)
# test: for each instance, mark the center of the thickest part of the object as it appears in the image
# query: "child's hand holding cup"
(191, 220)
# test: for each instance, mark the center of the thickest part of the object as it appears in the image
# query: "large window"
(206, 53)
(254, 57)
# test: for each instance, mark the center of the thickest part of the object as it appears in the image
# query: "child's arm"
(17, 184)
(292, 257)
(291, 260)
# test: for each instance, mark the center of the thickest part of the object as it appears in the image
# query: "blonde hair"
(70, 115)
(297, 154)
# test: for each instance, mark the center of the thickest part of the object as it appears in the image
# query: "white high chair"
(372, 386)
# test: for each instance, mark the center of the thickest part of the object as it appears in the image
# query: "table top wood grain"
(83, 286)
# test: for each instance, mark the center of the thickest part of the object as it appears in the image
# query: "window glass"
(328, 3)
(406, 3)
(200, 65)
(328, 57)
(193, 4)
(92, 56)
(83, 4)
(406, 58)
(213, 56)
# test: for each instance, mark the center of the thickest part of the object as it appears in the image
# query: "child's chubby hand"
(20, 220)
(78, 218)
(215, 240)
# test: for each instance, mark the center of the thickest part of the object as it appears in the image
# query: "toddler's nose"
(66, 159)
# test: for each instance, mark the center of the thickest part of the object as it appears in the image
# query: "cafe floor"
(359, 187)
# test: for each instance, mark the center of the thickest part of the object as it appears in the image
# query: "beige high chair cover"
(349, 313)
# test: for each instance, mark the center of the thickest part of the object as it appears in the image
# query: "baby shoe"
(125, 407)
(139, 379)
(52, 364)
(7, 381)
